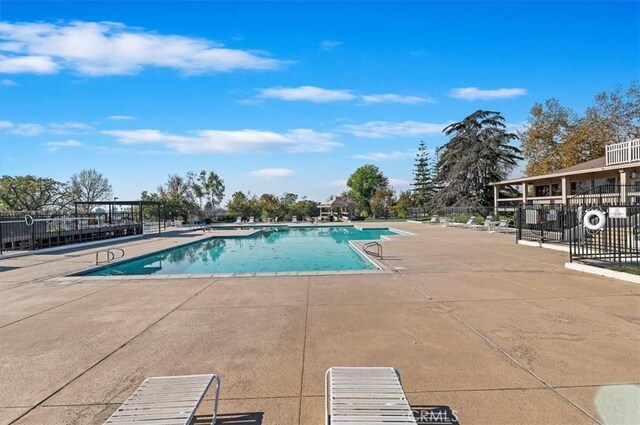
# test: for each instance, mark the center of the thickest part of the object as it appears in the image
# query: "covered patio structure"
(336, 209)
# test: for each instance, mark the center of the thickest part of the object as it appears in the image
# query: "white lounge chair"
(434, 219)
(252, 220)
(365, 395)
(238, 219)
(294, 219)
(166, 400)
(503, 226)
(469, 222)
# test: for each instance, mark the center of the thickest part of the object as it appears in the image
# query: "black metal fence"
(609, 234)
(25, 231)
(603, 233)
(543, 223)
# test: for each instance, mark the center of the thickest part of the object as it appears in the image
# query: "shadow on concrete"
(435, 415)
(250, 418)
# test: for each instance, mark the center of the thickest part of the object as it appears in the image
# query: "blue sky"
(288, 96)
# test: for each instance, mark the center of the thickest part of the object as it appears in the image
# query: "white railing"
(622, 153)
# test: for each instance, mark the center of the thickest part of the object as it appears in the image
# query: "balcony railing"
(622, 153)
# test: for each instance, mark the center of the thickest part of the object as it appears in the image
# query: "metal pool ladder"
(111, 255)
(377, 253)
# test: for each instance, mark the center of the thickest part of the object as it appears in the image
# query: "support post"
(496, 193)
(623, 186)
(524, 193)
(565, 190)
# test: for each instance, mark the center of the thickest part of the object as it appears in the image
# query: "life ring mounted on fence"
(28, 220)
(594, 220)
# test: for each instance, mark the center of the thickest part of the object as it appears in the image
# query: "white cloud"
(237, 141)
(307, 93)
(111, 48)
(398, 182)
(329, 45)
(8, 83)
(56, 146)
(321, 95)
(70, 127)
(6, 124)
(32, 129)
(387, 129)
(121, 118)
(474, 93)
(338, 183)
(25, 64)
(395, 98)
(273, 173)
(381, 156)
(27, 129)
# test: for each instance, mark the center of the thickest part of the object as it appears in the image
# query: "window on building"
(580, 186)
(542, 190)
(556, 189)
(607, 185)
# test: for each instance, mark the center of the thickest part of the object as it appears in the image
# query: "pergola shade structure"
(336, 209)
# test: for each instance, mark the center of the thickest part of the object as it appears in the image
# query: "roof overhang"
(566, 173)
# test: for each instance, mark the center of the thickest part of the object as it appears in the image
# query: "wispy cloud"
(395, 98)
(56, 146)
(382, 156)
(307, 93)
(121, 118)
(32, 129)
(111, 48)
(399, 182)
(273, 173)
(322, 95)
(235, 141)
(8, 83)
(474, 93)
(340, 183)
(27, 129)
(25, 64)
(329, 45)
(386, 129)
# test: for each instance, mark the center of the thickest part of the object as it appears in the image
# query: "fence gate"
(543, 223)
(608, 234)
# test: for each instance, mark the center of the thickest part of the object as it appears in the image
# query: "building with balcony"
(613, 179)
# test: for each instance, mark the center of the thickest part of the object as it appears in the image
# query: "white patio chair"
(166, 400)
(252, 220)
(434, 219)
(294, 219)
(469, 222)
(238, 219)
(365, 395)
(444, 221)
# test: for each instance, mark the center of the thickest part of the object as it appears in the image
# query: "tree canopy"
(31, 193)
(90, 186)
(556, 137)
(478, 152)
(363, 183)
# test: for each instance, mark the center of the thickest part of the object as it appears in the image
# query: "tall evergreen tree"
(423, 187)
(479, 152)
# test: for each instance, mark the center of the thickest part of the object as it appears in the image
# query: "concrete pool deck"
(500, 333)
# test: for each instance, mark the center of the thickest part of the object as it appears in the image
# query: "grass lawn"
(626, 269)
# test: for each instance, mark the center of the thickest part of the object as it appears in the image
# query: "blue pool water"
(271, 250)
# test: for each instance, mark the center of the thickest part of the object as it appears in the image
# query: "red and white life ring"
(594, 220)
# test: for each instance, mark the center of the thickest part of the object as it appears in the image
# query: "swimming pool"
(270, 250)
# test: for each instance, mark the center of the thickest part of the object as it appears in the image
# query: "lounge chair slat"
(166, 400)
(366, 395)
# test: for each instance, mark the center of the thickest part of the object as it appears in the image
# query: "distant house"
(611, 179)
(336, 209)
